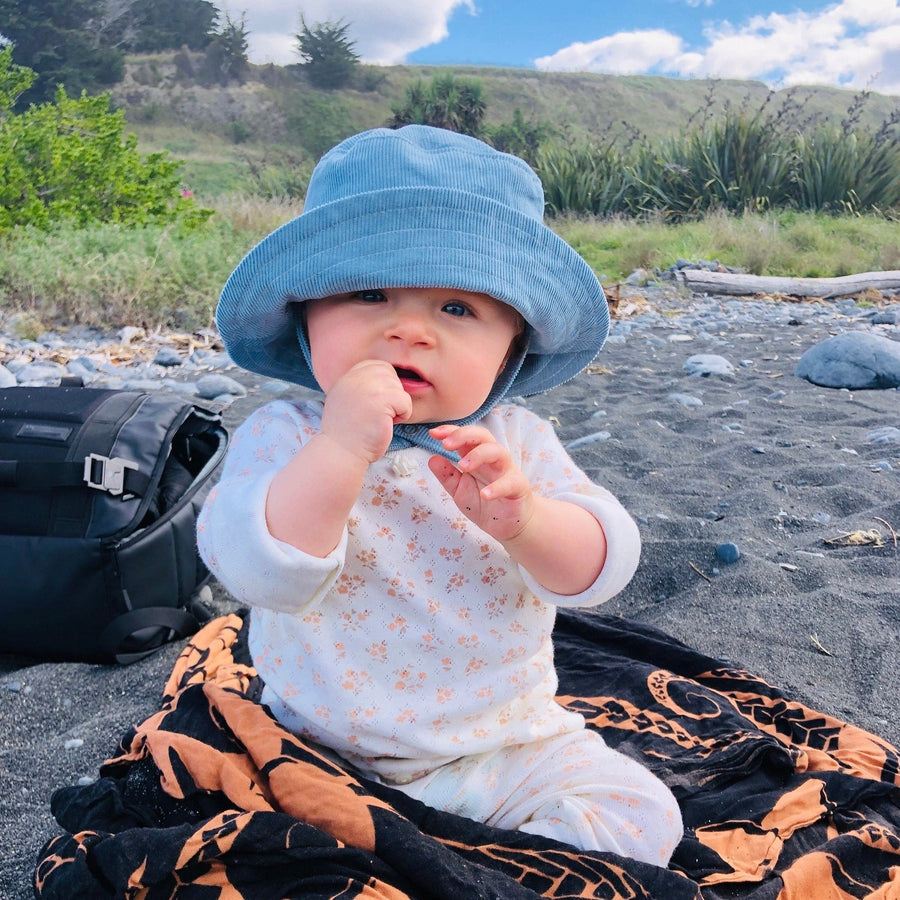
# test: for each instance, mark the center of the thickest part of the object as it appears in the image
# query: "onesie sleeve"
(232, 534)
(552, 473)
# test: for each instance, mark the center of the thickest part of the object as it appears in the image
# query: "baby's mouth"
(408, 375)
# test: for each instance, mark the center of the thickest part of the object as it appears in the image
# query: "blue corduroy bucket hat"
(417, 207)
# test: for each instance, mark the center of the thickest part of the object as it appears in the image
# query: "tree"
(71, 160)
(14, 81)
(169, 24)
(456, 104)
(225, 58)
(57, 39)
(327, 53)
(519, 137)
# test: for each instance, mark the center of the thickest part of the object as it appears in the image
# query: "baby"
(404, 543)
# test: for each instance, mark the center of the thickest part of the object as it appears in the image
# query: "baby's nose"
(410, 326)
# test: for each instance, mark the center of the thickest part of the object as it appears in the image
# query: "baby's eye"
(455, 308)
(371, 296)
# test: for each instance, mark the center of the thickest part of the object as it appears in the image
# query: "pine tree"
(170, 24)
(57, 39)
(327, 53)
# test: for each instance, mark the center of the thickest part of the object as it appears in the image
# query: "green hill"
(264, 135)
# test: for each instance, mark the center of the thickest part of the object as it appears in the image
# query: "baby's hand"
(362, 408)
(487, 486)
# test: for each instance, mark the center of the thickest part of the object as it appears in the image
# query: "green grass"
(161, 277)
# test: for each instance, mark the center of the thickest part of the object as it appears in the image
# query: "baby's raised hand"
(362, 408)
(487, 486)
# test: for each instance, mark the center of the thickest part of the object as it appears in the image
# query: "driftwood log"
(701, 280)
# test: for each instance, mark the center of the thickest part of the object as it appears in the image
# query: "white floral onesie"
(417, 641)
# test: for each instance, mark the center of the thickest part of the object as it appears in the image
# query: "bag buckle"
(107, 474)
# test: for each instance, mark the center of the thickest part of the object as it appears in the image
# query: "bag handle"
(175, 618)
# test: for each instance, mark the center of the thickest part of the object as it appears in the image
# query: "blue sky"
(848, 43)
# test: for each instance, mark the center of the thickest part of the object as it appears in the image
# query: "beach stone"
(685, 400)
(131, 333)
(728, 553)
(706, 364)
(84, 362)
(589, 439)
(276, 387)
(886, 435)
(86, 374)
(853, 360)
(7, 379)
(211, 387)
(168, 356)
(40, 373)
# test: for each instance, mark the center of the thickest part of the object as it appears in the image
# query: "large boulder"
(855, 359)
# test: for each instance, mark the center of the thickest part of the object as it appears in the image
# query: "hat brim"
(416, 237)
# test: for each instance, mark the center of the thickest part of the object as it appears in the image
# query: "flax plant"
(584, 179)
(838, 172)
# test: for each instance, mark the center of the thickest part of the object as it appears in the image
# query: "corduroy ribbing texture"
(417, 207)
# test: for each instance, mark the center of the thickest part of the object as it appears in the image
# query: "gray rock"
(886, 435)
(728, 553)
(589, 439)
(706, 364)
(85, 363)
(276, 387)
(685, 399)
(40, 373)
(168, 356)
(209, 387)
(854, 360)
(7, 379)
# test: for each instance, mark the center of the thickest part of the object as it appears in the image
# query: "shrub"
(71, 161)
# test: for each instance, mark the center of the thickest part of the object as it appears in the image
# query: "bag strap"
(176, 619)
(117, 476)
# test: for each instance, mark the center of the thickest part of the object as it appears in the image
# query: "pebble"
(73, 744)
(210, 387)
(685, 399)
(588, 439)
(168, 356)
(728, 553)
(706, 364)
(886, 435)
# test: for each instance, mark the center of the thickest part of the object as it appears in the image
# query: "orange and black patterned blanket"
(211, 799)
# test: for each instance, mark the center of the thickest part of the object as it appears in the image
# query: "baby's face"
(447, 346)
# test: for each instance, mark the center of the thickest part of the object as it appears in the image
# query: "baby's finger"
(462, 438)
(492, 457)
(511, 485)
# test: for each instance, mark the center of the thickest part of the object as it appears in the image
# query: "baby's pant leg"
(581, 791)
(571, 788)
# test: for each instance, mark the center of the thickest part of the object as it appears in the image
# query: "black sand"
(780, 467)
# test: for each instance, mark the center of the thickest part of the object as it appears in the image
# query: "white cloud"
(854, 43)
(383, 33)
(625, 53)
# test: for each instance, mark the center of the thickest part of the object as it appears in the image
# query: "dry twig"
(817, 644)
(700, 573)
(890, 528)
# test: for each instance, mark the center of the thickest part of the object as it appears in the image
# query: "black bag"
(99, 496)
